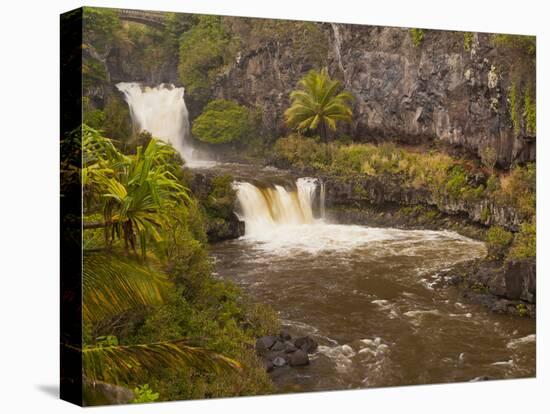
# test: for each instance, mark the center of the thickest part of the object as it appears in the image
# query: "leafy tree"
(498, 241)
(204, 50)
(319, 104)
(224, 121)
(99, 28)
(132, 191)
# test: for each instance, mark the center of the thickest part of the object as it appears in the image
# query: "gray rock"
(268, 365)
(278, 346)
(285, 336)
(306, 344)
(279, 362)
(265, 343)
(420, 94)
(298, 358)
(521, 279)
(482, 378)
(289, 347)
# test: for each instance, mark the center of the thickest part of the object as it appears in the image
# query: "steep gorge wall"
(438, 91)
(434, 92)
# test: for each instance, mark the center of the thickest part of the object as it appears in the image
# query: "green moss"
(479, 288)
(485, 214)
(525, 242)
(468, 39)
(522, 309)
(417, 36)
(514, 110)
(498, 241)
(225, 121)
(530, 114)
(113, 120)
(526, 44)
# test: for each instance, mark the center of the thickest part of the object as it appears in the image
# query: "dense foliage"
(224, 121)
(204, 50)
(155, 318)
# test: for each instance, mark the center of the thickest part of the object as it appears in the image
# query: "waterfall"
(268, 207)
(161, 111)
(337, 45)
(322, 197)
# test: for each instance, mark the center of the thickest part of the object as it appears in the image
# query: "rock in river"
(299, 358)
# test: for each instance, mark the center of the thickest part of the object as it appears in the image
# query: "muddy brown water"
(373, 299)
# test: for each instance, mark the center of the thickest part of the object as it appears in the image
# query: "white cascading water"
(280, 220)
(161, 111)
(322, 196)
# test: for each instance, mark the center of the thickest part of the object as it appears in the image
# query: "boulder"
(285, 336)
(306, 344)
(279, 361)
(289, 347)
(482, 378)
(268, 365)
(265, 343)
(278, 346)
(298, 358)
(521, 280)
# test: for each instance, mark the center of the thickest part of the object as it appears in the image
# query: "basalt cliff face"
(436, 91)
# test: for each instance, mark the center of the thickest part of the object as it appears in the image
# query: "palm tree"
(134, 194)
(113, 285)
(319, 104)
(127, 364)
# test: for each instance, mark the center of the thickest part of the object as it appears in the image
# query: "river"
(370, 296)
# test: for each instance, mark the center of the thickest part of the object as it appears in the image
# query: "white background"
(29, 265)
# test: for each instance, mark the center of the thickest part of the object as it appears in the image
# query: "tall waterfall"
(161, 111)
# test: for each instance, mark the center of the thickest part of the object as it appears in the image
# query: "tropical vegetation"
(154, 316)
(318, 104)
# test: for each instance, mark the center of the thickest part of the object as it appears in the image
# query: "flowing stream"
(368, 295)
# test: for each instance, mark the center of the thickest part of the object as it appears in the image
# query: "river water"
(369, 296)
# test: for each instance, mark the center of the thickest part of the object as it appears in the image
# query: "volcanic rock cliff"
(434, 91)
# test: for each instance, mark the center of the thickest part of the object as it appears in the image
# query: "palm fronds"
(318, 104)
(128, 363)
(132, 192)
(112, 285)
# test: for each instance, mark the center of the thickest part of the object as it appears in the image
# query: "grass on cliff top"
(446, 177)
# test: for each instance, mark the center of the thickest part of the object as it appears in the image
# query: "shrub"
(224, 121)
(498, 241)
(525, 242)
(489, 157)
(468, 39)
(144, 394)
(457, 182)
(417, 36)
